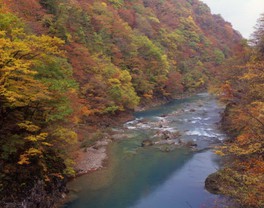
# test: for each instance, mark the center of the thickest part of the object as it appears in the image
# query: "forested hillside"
(69, 62)
(124, 52)
(242, 87)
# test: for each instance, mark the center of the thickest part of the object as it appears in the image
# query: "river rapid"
(168, 174)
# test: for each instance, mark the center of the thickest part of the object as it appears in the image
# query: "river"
(169, 174)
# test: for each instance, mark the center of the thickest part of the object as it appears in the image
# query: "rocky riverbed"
(165, 151)
(186, 126)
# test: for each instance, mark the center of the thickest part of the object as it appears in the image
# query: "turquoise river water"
(149, 177)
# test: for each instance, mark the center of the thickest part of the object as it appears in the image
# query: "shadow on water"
(133, 178)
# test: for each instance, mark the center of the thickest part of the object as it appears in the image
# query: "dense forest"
(65, 64)
(242, 87)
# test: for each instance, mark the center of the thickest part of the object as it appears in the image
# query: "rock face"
(212, 183)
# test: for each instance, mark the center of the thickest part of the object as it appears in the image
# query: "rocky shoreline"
(94, 157)
(91, 158)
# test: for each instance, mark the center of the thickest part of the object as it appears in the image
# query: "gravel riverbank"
(91, 158)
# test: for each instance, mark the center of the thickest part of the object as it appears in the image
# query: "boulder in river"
(191, 144)
(147, 143)
(165, 135)
(144, 121)
(166, 148)
(176, 134)
(212, 183)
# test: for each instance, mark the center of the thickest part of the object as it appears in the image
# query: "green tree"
(30, 99)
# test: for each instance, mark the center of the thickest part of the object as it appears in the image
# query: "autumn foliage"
(243, 176)
(34, 80)
(71, 62)
(151, 40)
